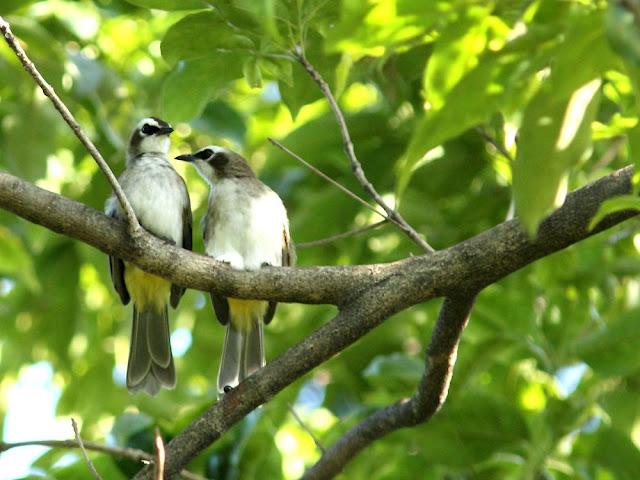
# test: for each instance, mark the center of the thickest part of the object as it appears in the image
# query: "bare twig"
(306, 428)
(393, 215)
(12, 41)
(339, 236)
(497, 145)
(159, 447)
(92, 469)
(610, 154)
(123, 452)
(511, 211)
(428, 399)
(326, 177)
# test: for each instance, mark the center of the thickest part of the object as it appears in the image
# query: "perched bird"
(159, 197)
(246, 226)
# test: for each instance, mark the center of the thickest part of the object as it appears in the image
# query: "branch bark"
(428, 399)
(366, 294)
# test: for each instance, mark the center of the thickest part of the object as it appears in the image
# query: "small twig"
(131, 453)
(393, 215)
(326, 177)
(159, 463)
(92, 469)
(610, 155)
(12, 41)
(497, 145)
(511, 211)
(306, 428)
(339, 236)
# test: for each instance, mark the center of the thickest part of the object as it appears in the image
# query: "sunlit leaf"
(203, 79)
(170, 4)
(556, 126)
(202, 34)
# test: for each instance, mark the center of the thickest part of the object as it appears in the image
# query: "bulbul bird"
(159, 197)
(246, 226)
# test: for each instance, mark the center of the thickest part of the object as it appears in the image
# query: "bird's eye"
(148, 129)
(204, 154)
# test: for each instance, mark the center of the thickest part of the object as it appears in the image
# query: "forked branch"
(392, 214)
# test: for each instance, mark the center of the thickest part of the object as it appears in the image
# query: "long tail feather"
(150, 360)
(242, 355)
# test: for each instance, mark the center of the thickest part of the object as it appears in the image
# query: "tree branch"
(393, 215)
(485, 259)
(12, 41)
(428, 399)
(467, 266)
(123, 452)
(366, 294)
(158, 465)
(339, 236)
(326, 177)
(85, 455)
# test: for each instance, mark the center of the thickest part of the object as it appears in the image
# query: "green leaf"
(58, 271)
(497, 80)
(203, 79)
(220, 119)
(555, 135)
(103, 464)
(251, 72)
(170, 4)
(611, 449)
(613, 205)
(396, 372)
(620, 335)
(201, 34)
(8, 6)
(15, 261)
(556, 128)
(456, 52)
(622, 23)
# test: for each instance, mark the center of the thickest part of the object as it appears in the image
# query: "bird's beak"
(186, 158)
(164, 131)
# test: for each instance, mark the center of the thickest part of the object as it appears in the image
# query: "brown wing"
(116, 267)
(288, 259)
(187, 243)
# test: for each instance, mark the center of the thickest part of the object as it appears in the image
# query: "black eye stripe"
(148, 129)
(204, 154)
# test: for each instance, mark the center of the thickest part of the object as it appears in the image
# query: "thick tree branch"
(68, 117)
(428, 399)
(393, 215)
(466, 267)
(485, 259)
(367, 295)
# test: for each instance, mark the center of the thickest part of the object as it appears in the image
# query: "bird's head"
(215, 163)
(151, 135)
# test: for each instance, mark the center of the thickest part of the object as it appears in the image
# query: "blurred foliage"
(547, 383)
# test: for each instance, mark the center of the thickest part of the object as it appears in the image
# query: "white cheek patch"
(154, 143)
